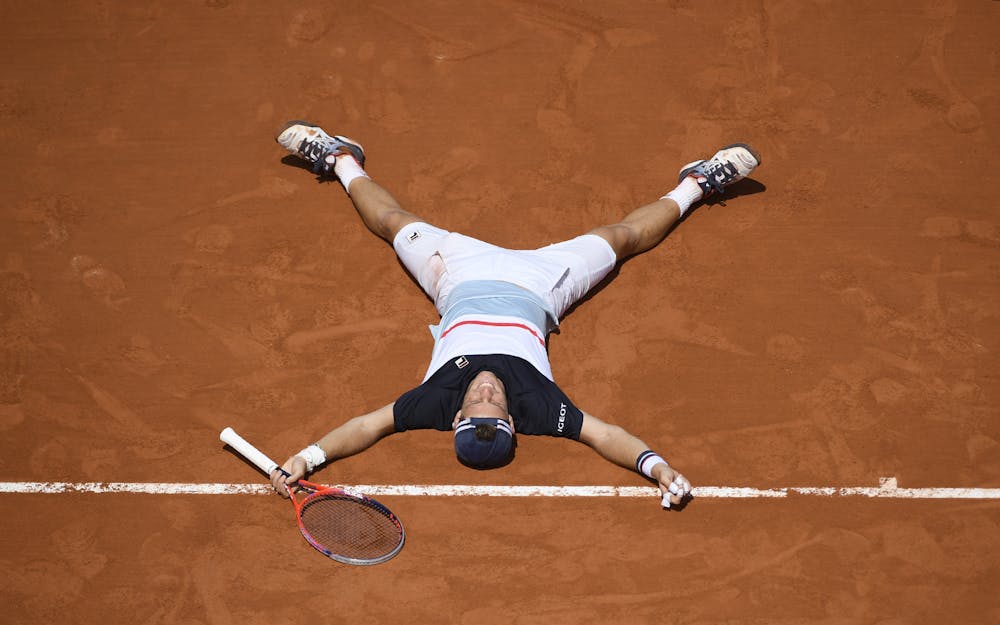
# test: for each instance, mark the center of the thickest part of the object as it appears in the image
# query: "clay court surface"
(165, 272)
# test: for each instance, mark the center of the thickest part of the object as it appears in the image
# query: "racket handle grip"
(248, 451)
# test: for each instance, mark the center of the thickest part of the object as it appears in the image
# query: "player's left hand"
(295, 467)
(674, 486)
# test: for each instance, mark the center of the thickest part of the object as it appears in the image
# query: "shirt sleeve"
(547, 411)
(423, 408)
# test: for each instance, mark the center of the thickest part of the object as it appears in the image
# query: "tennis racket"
(342, 525)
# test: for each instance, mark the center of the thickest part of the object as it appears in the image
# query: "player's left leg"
(646, 226)
(342, 158)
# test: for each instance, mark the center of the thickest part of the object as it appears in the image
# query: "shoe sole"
(294, 122)
(749, 149)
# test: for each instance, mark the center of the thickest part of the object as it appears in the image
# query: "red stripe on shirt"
(495, 324)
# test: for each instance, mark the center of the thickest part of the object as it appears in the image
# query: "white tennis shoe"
(730, 164)
(313, 145)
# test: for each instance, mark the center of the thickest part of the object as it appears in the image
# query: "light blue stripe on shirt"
(495, 297)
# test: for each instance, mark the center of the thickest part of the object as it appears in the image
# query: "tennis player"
(489, 378)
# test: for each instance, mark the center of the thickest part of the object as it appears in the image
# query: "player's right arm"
(347, 439)
(623, 448)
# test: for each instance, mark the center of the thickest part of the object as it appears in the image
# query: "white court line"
(887, 488)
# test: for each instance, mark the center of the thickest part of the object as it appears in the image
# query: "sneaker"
(311, 143)
(730, 164)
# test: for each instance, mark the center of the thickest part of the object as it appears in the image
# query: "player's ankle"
(347, 170)
(686, 193)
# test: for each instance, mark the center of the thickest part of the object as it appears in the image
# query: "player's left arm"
(619, 446)
(347, 439)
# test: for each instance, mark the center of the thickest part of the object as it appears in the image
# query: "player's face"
(485, 397)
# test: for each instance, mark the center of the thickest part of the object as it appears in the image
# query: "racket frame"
(317, 491)
(268, 466)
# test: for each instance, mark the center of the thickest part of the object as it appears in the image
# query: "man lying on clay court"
(489, 377)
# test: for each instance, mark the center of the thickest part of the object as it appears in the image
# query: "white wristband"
(646, 461)
(313, 455)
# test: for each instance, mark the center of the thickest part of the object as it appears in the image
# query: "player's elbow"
(601, 436)
(373, 426)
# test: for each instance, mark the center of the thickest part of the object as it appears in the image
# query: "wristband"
(313, 455)
(646, 461)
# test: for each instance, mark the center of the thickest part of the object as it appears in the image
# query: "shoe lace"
(717, 175)
(316, 150)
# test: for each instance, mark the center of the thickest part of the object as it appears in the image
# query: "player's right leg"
(647, 225)
(338, 157)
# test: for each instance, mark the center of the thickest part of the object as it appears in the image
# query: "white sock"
(686, 193)
(347, 170)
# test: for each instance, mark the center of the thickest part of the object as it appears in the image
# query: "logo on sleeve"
(461, 362)
(562, 418)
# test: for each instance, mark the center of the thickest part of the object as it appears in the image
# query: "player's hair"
(486, 431)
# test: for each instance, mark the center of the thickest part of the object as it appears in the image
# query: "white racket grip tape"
(248, 451)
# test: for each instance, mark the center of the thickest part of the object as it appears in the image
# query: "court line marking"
(888, 488)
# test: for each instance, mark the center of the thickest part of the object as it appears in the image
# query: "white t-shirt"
(492, 317)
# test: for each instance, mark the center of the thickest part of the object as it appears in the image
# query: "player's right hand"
(296, 469)
(674, 487)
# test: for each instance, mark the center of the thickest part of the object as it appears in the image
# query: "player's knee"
(391, 222)
(622, 237)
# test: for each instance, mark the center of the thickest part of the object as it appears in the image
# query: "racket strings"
(350, 527)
